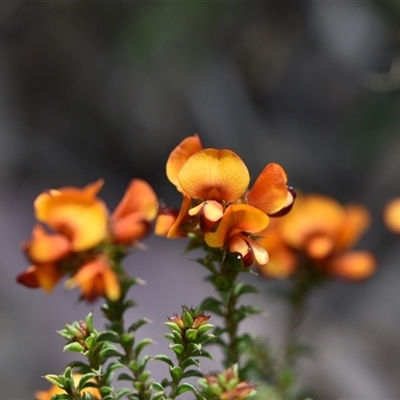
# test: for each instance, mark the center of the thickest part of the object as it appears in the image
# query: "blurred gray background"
(108, 89)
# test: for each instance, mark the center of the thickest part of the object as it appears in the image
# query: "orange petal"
(139, 197)
(96, 279)
(45, 248)
(163, 224)
(180, 155)
(354, 266)
(130, 228)
(237, 218)
(47, 276)
(356, 221)
(391, 215)
(44, 275)
(320, 246)
(280, 265)
(282, 260)
(270, 193)
(176, 229)
(214, 175)
(260, 254)
(237, 244)
(212, 210)
(311, 215)
(76, 213)
(28, 278)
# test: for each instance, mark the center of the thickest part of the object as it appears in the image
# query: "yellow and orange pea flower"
(53, 390)
(217, 201)
(82, 231)
(322, 230)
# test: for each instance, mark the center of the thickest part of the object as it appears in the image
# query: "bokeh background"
(108, 89)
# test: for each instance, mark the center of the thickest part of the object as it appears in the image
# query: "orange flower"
(391, 215)
(48, 394)
(131, 219)
(211, 180)
(76, 213)
(45, 251)
(323, 230)
(96, 278)
(234, 229)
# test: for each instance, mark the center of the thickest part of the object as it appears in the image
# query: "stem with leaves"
(224, 271)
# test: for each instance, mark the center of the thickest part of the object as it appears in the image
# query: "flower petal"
(214, 175)
(47, 276)
(260, 254)
(353, 266)
(320, 246)
(282, 260)
(391, 215)
(130, 228)
(96, 279)
(237, 218)
(270, 192)
(76, 213)
(183, 217)
(356, 221)
(44, 275)
(139, 197)
(180, 155)
(311, 215)
(45, 248)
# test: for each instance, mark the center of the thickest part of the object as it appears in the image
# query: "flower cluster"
(217, 202)
(76, 236)
(321, 231)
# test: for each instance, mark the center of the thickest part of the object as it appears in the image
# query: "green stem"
(114, 312)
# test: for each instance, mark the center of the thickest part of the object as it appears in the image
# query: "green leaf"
(191, 335)
(204, 328)
(136, 325)
(125, 377)
(74, 347)
(185, 387)
(107, 336)
(89, 322)
(158, 386)
(61, 397)
(164, 358)
(84, 379)
(159, 396)
(121, 393)
(142, 362)
(243, 288)
(173, 326)
(190, 362)
(192, 372)
(142, 344)
(178, 349)
(108, 352)
(176, 373)
(55, 379)
(213, 305)
(191, 347)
